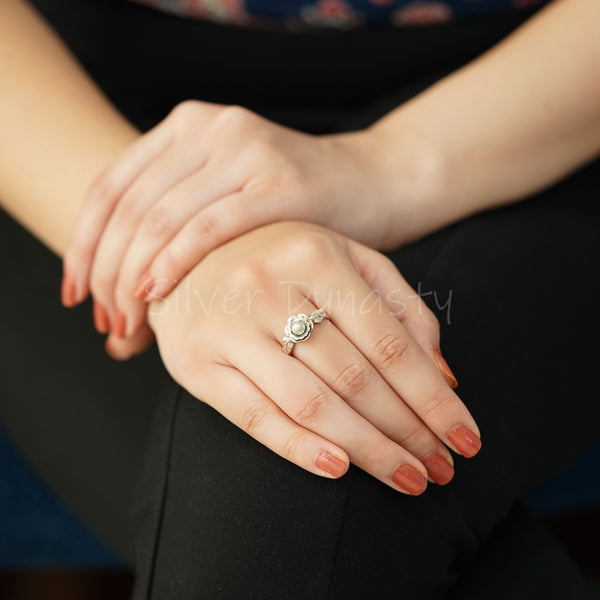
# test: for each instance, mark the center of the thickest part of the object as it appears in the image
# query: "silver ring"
(299, 327)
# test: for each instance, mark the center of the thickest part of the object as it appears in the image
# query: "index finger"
(101, 200)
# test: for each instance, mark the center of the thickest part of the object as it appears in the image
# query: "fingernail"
(444, 368)
(409, 479)
(119, 324)
(465, 441)
(101, 320)
(67, 291)
(439, 468)
(143, 290)
(331, 464)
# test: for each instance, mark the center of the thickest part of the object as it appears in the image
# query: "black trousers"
(199, 508)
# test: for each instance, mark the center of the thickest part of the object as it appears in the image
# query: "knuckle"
(100, 189)
(205, 224)
(157, 223)
(391, 350)
(235, 117)
(128, 210)
(438, 400)
(246, 275)
(411, 437)
(185, 109)
(291, 449)
(353, 380)
(313, 408)
(254, 417)
(307, 248)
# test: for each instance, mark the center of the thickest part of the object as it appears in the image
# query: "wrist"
(413, 175)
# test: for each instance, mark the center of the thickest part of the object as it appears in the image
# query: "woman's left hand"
(204, 175)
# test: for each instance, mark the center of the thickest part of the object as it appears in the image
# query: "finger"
(99, 204)
(311, 403)
(123, 349)
(407, 368)
(336, 361)
(159, 176)
(404, 302)
(162, 222)
(232, 394)
(216, 224)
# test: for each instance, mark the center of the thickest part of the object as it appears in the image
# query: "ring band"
(299, 327)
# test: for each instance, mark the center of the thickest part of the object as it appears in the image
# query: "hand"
(205, 175)
(363, 388)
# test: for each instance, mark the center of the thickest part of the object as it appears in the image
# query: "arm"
(58, 129)
(520, 117)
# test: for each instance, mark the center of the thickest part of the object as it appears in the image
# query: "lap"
(237, 520)
(216, 513)
(79, 417)
(215, 510)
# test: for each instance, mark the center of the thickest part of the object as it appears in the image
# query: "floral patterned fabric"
(299, 15)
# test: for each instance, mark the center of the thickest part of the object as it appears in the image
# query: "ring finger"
(311, 403)
(335, 360)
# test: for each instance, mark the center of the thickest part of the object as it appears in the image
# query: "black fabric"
(212, 513)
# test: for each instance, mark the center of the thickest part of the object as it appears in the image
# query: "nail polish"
(331, 464)
(143, 290)
(465, 441)
(119, 324)
(409, 479)
(444, 368)
(101, 320)
(439, 468)
(67, 291)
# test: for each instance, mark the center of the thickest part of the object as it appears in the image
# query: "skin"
(363, 385)
(425, 170)
(208, 173)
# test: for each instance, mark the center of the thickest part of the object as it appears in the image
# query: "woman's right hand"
(364, 388)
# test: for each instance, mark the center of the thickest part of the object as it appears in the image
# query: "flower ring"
(299, 327)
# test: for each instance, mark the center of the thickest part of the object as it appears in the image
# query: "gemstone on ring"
(299, 327)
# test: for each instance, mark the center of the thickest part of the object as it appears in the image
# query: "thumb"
(125, 348)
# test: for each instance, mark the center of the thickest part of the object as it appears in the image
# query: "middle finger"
(313, 404)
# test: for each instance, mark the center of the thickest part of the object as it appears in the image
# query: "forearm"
(512, 122)
(58, 130)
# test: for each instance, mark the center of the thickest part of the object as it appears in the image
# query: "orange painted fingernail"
(119, 324)
(444, 368)
(439, 468)
(466, 441)
(67, 291)
(143, 290)
(101, 320)
(331, 464)
(409, 479)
